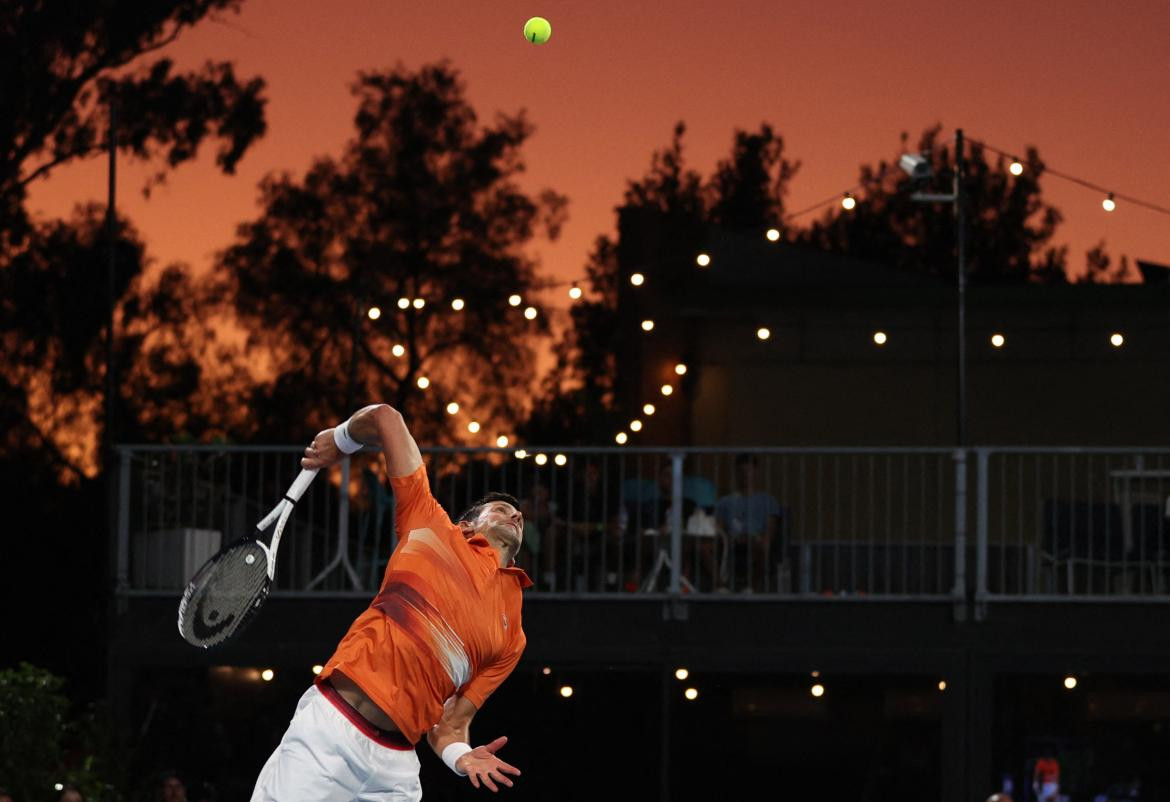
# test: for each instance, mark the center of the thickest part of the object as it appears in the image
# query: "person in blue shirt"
(750, 519)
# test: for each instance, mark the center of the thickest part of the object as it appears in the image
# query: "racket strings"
(225, 594)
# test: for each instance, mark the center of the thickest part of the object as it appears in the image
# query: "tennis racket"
(228, 589)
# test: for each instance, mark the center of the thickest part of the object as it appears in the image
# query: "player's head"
(497, 517)
(746, 468)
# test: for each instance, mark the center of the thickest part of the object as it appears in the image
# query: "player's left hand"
(322, 452)
(482, 765)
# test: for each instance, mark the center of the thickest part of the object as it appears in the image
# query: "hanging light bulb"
(403, 303)
(703, 260)
(635, 425)
(374, 313)
(667, 389)
(418, 303)
(1108, 204)
(1015, 168)
(574, 291)
(530, 313)
(398, 350)
(647, 409)
(423, 382)
(773, 234)
(621, 438)
(514, 300)
(457, 304)
(848, 202)
(680, 369)
(637, 279)
(763, 332)
(453, 407)
(647, 325)
(502, 441)
(473, 427)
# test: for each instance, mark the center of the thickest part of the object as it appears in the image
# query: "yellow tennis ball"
(537, 30)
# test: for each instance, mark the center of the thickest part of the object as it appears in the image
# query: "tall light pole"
(918, 167)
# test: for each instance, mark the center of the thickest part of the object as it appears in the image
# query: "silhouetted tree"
(422, 204)
(1010, 226)
(1099, 267)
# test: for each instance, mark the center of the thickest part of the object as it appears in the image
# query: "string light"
(423, 382)
(647, 325)
(473, 427)
(703, 260)
(267, 675)
(667, 389)
(453, 407)
(763, 332)
(457, 304)
(681, 673)
(521, 453)
(879, 337)
(317, 669)
(1015, 168)
(541, 459)
(1108, 204)
(691, 694)
(398, 350)
(621, 438)
(574, 291)
(418, 303)
(942, 684)
(566, 691)
(560, 459)
(817, 690)
(647, 409)
(514, 300)
(635, 425)
(773, 234)
(637, 279)
(997, 340)
(530, 313)
(1116, 339)
(1070, 682)
(680, 369)
(374, 313)
(848, 202)
(502, 441)
(403, 303)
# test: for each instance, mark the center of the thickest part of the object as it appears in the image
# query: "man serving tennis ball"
(441, 635)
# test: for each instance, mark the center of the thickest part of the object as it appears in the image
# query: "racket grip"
(300, 484)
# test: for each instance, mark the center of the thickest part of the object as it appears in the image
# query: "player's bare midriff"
(357, 699)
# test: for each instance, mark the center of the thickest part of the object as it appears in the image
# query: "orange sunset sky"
(1086, 82)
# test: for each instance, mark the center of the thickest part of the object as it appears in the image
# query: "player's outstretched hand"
(322, 452)
(482, 765)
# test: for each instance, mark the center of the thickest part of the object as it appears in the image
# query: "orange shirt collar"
(511, 569)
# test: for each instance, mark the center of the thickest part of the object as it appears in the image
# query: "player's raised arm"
(449, 739)
(377, 424)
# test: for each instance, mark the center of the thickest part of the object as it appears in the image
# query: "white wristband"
(452, 753)
(345, 443)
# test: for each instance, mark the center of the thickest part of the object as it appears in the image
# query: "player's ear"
(467, 527)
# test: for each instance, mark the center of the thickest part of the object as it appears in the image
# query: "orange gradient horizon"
(838, 80)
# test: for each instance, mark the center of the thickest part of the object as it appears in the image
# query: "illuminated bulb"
(502, 441)
(419, 303)
(267, 675)
(530, 313)
(541, 459)
(997, 340)
(647, 409)
(942, 684)
(879, 337)
(453, 407)
(566, 691)
(1015, 168)
(763, 332)
(815, 674)
(691, 693)
(423, 382)
(457, 304)
(374, 313)
(521, 453)
(1116, 339)
(620, 438)
(1070, 682)
(513, 300)
(680, 369)
(546, 671)
(635, 425)
(848, 202)
(403, 303)
(1108, 204)
(58, 787)
(473, 427)
(318, 669)
(817, 690)
(574, 291)
(773, 234)
(560, 459)
(681, 673)
(637, 279)
(647, 325)
(667, 389)
(398, 350)
(703, 260)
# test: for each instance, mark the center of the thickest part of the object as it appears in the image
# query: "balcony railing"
(808, 523)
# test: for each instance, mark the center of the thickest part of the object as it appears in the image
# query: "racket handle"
(300, 484)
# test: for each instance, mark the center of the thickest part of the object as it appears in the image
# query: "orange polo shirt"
(446, 620)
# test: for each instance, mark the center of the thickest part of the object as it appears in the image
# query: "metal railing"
(814, 523)
(807, 523)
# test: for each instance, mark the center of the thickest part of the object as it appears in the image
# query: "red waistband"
(388, 738)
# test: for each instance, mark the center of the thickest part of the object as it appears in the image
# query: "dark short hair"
(472, 512)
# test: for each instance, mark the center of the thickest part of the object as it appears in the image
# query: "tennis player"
(440, 636)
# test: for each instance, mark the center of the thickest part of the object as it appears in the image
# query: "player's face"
(504, 520)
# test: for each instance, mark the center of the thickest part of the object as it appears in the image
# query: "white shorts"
(325, 758)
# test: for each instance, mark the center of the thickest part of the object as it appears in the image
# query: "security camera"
(915, 165)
